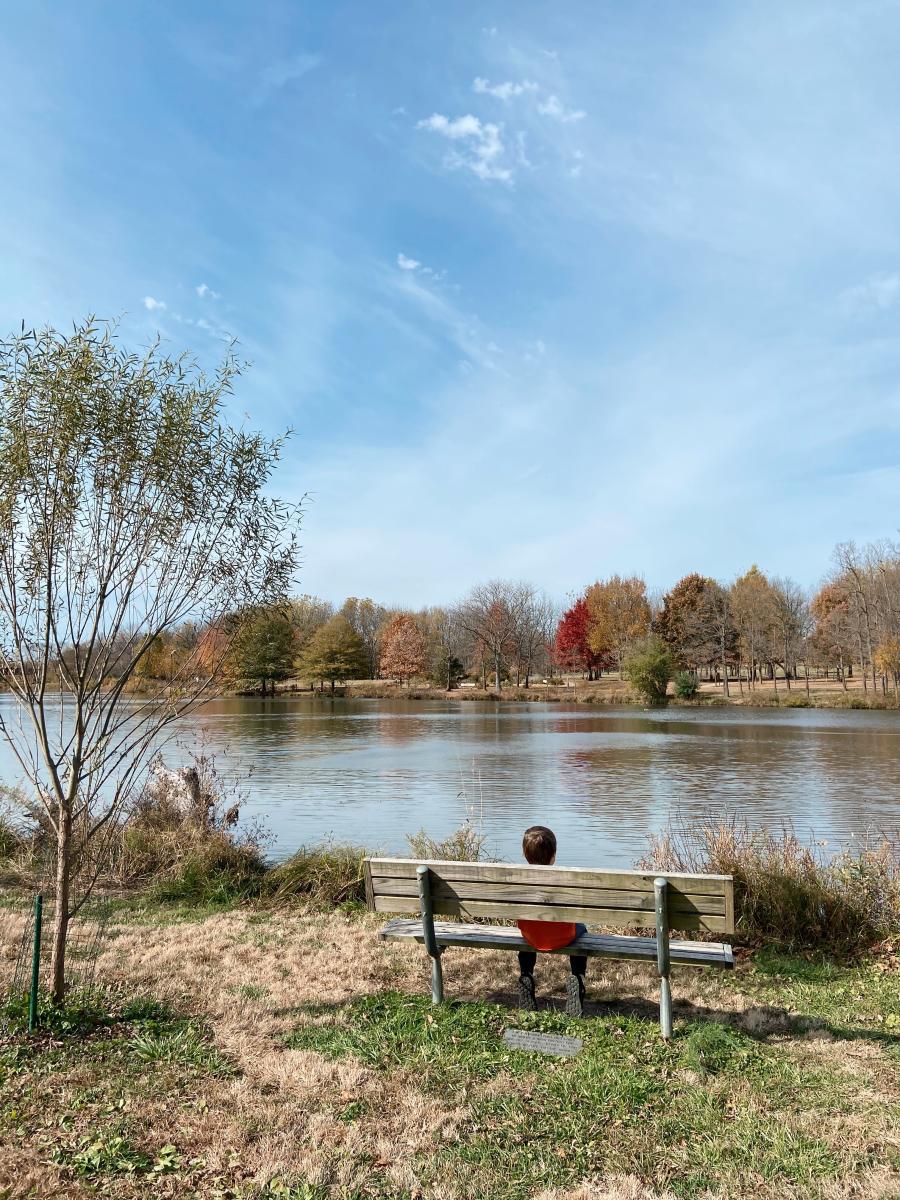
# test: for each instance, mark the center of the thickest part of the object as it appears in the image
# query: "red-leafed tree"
(571, 648)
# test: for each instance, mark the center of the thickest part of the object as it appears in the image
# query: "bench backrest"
(611, 899)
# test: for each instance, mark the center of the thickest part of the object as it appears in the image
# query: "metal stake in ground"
(35, 964)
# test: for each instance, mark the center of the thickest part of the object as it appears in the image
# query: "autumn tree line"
(737, 634)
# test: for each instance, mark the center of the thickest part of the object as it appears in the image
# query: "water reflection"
(373, 771)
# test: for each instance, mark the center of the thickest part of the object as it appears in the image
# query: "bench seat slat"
(594, 945)
(642, 881)
(535, 893)
(616, 917)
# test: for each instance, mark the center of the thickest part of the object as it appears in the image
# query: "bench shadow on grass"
(762, 1022)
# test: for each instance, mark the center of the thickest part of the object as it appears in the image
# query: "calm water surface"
(372, 771)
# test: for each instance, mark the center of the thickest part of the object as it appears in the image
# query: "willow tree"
(128, 505)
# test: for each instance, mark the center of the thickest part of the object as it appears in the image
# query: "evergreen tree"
(264, 650)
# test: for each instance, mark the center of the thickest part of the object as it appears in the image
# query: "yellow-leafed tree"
(618, 614)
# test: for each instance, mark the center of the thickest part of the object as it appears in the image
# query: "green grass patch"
(850, 1000)
(714, 1106)
(73, 1090)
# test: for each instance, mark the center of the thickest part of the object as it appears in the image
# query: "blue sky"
(545, 291)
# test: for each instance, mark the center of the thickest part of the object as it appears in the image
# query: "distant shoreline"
(605, 693)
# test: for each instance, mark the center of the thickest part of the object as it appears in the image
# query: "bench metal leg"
(665, 1007)
(434, 950)
(661, 887)
(437, 981)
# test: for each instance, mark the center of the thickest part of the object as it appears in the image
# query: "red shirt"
(548, 935)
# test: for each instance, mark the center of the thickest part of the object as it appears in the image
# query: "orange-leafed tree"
(685, 623)
(833, 633)
(402, 649)
(619, 613)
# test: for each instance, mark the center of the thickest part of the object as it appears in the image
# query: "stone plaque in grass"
(543, 1043)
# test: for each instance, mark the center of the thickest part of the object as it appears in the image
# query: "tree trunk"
(497, 672)
(332, 687)
(806, 673)
(61, 915)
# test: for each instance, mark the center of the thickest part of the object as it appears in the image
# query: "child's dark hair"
(539, 845)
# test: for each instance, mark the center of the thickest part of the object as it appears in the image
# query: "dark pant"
(577, 962)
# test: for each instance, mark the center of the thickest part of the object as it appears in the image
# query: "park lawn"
(271, 1055)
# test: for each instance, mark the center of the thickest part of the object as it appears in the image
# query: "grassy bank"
(263, 1054)
(608, 691)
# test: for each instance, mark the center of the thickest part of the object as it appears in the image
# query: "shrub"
(181, 838)
(214, 870)
(648, 667)
(686, 685)
(465, 844)
(324, 876)
(790, 893)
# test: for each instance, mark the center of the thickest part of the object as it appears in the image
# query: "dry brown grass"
(24, 1176)
(281, 1115)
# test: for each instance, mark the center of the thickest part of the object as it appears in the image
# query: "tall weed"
(788, 892)
(324, 876)
(465, 844)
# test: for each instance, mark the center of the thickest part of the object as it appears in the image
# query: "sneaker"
(526, 993)
(575, 996)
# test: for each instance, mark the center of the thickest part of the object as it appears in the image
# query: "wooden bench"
(610, 899)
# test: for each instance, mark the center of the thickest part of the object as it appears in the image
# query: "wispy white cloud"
(878, 294)
(278, 74)
(420, 289)
(554, 107)
(216, 331)
(204, 291)
(153, 305)
(482, 149)
(405, 263)
(503, 91)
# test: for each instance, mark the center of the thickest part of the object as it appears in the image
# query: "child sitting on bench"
(539, 847)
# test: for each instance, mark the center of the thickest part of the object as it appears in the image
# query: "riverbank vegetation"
(183, 842)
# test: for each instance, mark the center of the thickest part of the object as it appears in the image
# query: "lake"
(371, 771)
